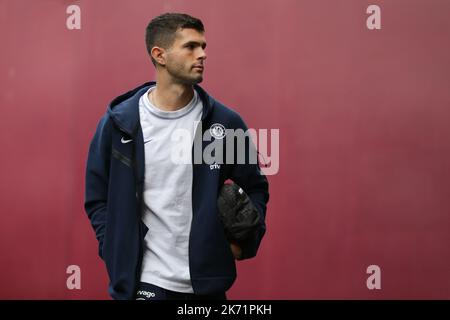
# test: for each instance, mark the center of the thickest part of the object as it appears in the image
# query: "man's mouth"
(198, 67)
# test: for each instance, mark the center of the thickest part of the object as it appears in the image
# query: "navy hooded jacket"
(114, 198)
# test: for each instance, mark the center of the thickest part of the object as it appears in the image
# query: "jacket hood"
(124, 109)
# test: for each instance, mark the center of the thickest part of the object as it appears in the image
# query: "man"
(157, 219)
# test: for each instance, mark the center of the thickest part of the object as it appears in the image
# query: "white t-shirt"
(167, 195)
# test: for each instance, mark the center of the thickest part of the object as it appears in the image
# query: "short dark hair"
(161, 30)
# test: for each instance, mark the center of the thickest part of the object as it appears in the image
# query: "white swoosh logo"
(125, 141)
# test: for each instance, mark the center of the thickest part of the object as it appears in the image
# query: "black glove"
(239, 216)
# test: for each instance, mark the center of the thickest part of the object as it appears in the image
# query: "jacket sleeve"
(250, 177)
(97, 176)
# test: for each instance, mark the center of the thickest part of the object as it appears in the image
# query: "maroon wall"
(364, 138)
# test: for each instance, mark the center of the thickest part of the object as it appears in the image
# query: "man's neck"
(171, 96)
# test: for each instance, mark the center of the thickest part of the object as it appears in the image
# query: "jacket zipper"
(139, 207)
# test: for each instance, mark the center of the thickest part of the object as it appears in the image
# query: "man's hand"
(237, 251)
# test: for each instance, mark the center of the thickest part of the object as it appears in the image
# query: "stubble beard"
(179, 75)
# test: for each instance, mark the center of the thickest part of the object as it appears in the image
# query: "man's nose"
(202, 55)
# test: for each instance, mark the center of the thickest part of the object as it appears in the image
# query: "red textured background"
(364, 138)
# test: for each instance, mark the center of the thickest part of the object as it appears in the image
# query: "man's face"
(185, 59)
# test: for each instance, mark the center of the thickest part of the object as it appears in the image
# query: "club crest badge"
(217, 131)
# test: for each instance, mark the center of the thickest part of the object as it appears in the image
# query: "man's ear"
(159, 55)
